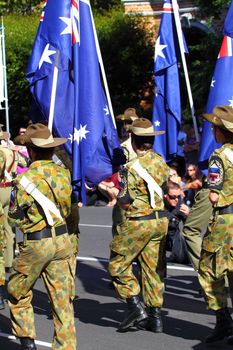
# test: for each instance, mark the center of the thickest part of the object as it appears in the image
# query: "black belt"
(225, 210)
(46, 233)
(153, 216)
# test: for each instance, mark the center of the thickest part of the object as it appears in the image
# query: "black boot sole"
(133, 323)
(226, 333)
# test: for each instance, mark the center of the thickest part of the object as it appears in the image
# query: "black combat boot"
(2, 305)
(135, 314)
(223, 327)
(154, 321)
(28, 343)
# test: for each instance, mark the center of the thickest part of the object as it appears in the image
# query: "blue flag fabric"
(228, 26)
(221, 93)
(66, 39)
(167, 106)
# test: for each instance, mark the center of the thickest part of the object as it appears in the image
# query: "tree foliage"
(211, 7)
(19, 32)
(19, 6)
(127, 54)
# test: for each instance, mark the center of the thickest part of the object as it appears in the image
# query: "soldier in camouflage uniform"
(216, 260)
(46, 250)
(2, 238)
(142, 233)
(13, 159)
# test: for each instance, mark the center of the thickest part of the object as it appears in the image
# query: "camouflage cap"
(144, 127)
(40, 136)
(3, 134)
(129, 115)
(222, 116)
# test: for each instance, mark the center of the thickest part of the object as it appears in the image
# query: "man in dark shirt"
(176, 211)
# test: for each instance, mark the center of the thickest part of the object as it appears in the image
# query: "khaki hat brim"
(123, 118)
(58, 141)
(148, 134)
(212, 118)
(143, 132)
(23, 141)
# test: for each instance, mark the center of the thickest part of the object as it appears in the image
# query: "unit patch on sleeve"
(215, 173)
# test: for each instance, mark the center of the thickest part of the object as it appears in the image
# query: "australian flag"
(65, 77)
(167, 106)
(221, 89)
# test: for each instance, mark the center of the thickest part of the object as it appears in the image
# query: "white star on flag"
(159, 49)
(106, 110)
(231, 102)
(157, 123)
(79, 134)
(83, 132)
(212, 82)
(68, 29)
(46, 56)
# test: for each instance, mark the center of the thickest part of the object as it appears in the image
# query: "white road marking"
(38, 342)
(170, 267)
(86, 258)
(90, 225)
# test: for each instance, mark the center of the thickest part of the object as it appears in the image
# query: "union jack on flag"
(221, 90)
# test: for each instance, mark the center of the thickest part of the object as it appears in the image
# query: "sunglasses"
(173, 196)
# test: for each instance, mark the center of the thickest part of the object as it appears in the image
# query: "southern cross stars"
(79, 134)
(46, 56)
(159, 49)
(212, 82)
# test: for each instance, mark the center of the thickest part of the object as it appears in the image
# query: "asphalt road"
(98, 311)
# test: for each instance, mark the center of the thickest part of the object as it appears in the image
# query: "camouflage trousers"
(5, 193)
(72, 223)
(216, 262)
(50, 258)
(144, 241)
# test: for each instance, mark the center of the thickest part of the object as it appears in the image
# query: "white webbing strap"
(229, 154)
(8, 175)
(153, 187)
(46, 204)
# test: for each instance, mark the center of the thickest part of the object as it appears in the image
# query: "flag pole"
(102, 68)
(181, 45)
(53, 93)
(5, 78)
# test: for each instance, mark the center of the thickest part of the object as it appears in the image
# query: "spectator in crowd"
(110, 187)
(174, 177)
(192, 181)
(176, 211)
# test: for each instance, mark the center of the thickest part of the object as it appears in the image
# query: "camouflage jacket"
(54, 182)
(135, 190)
(220, 175)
